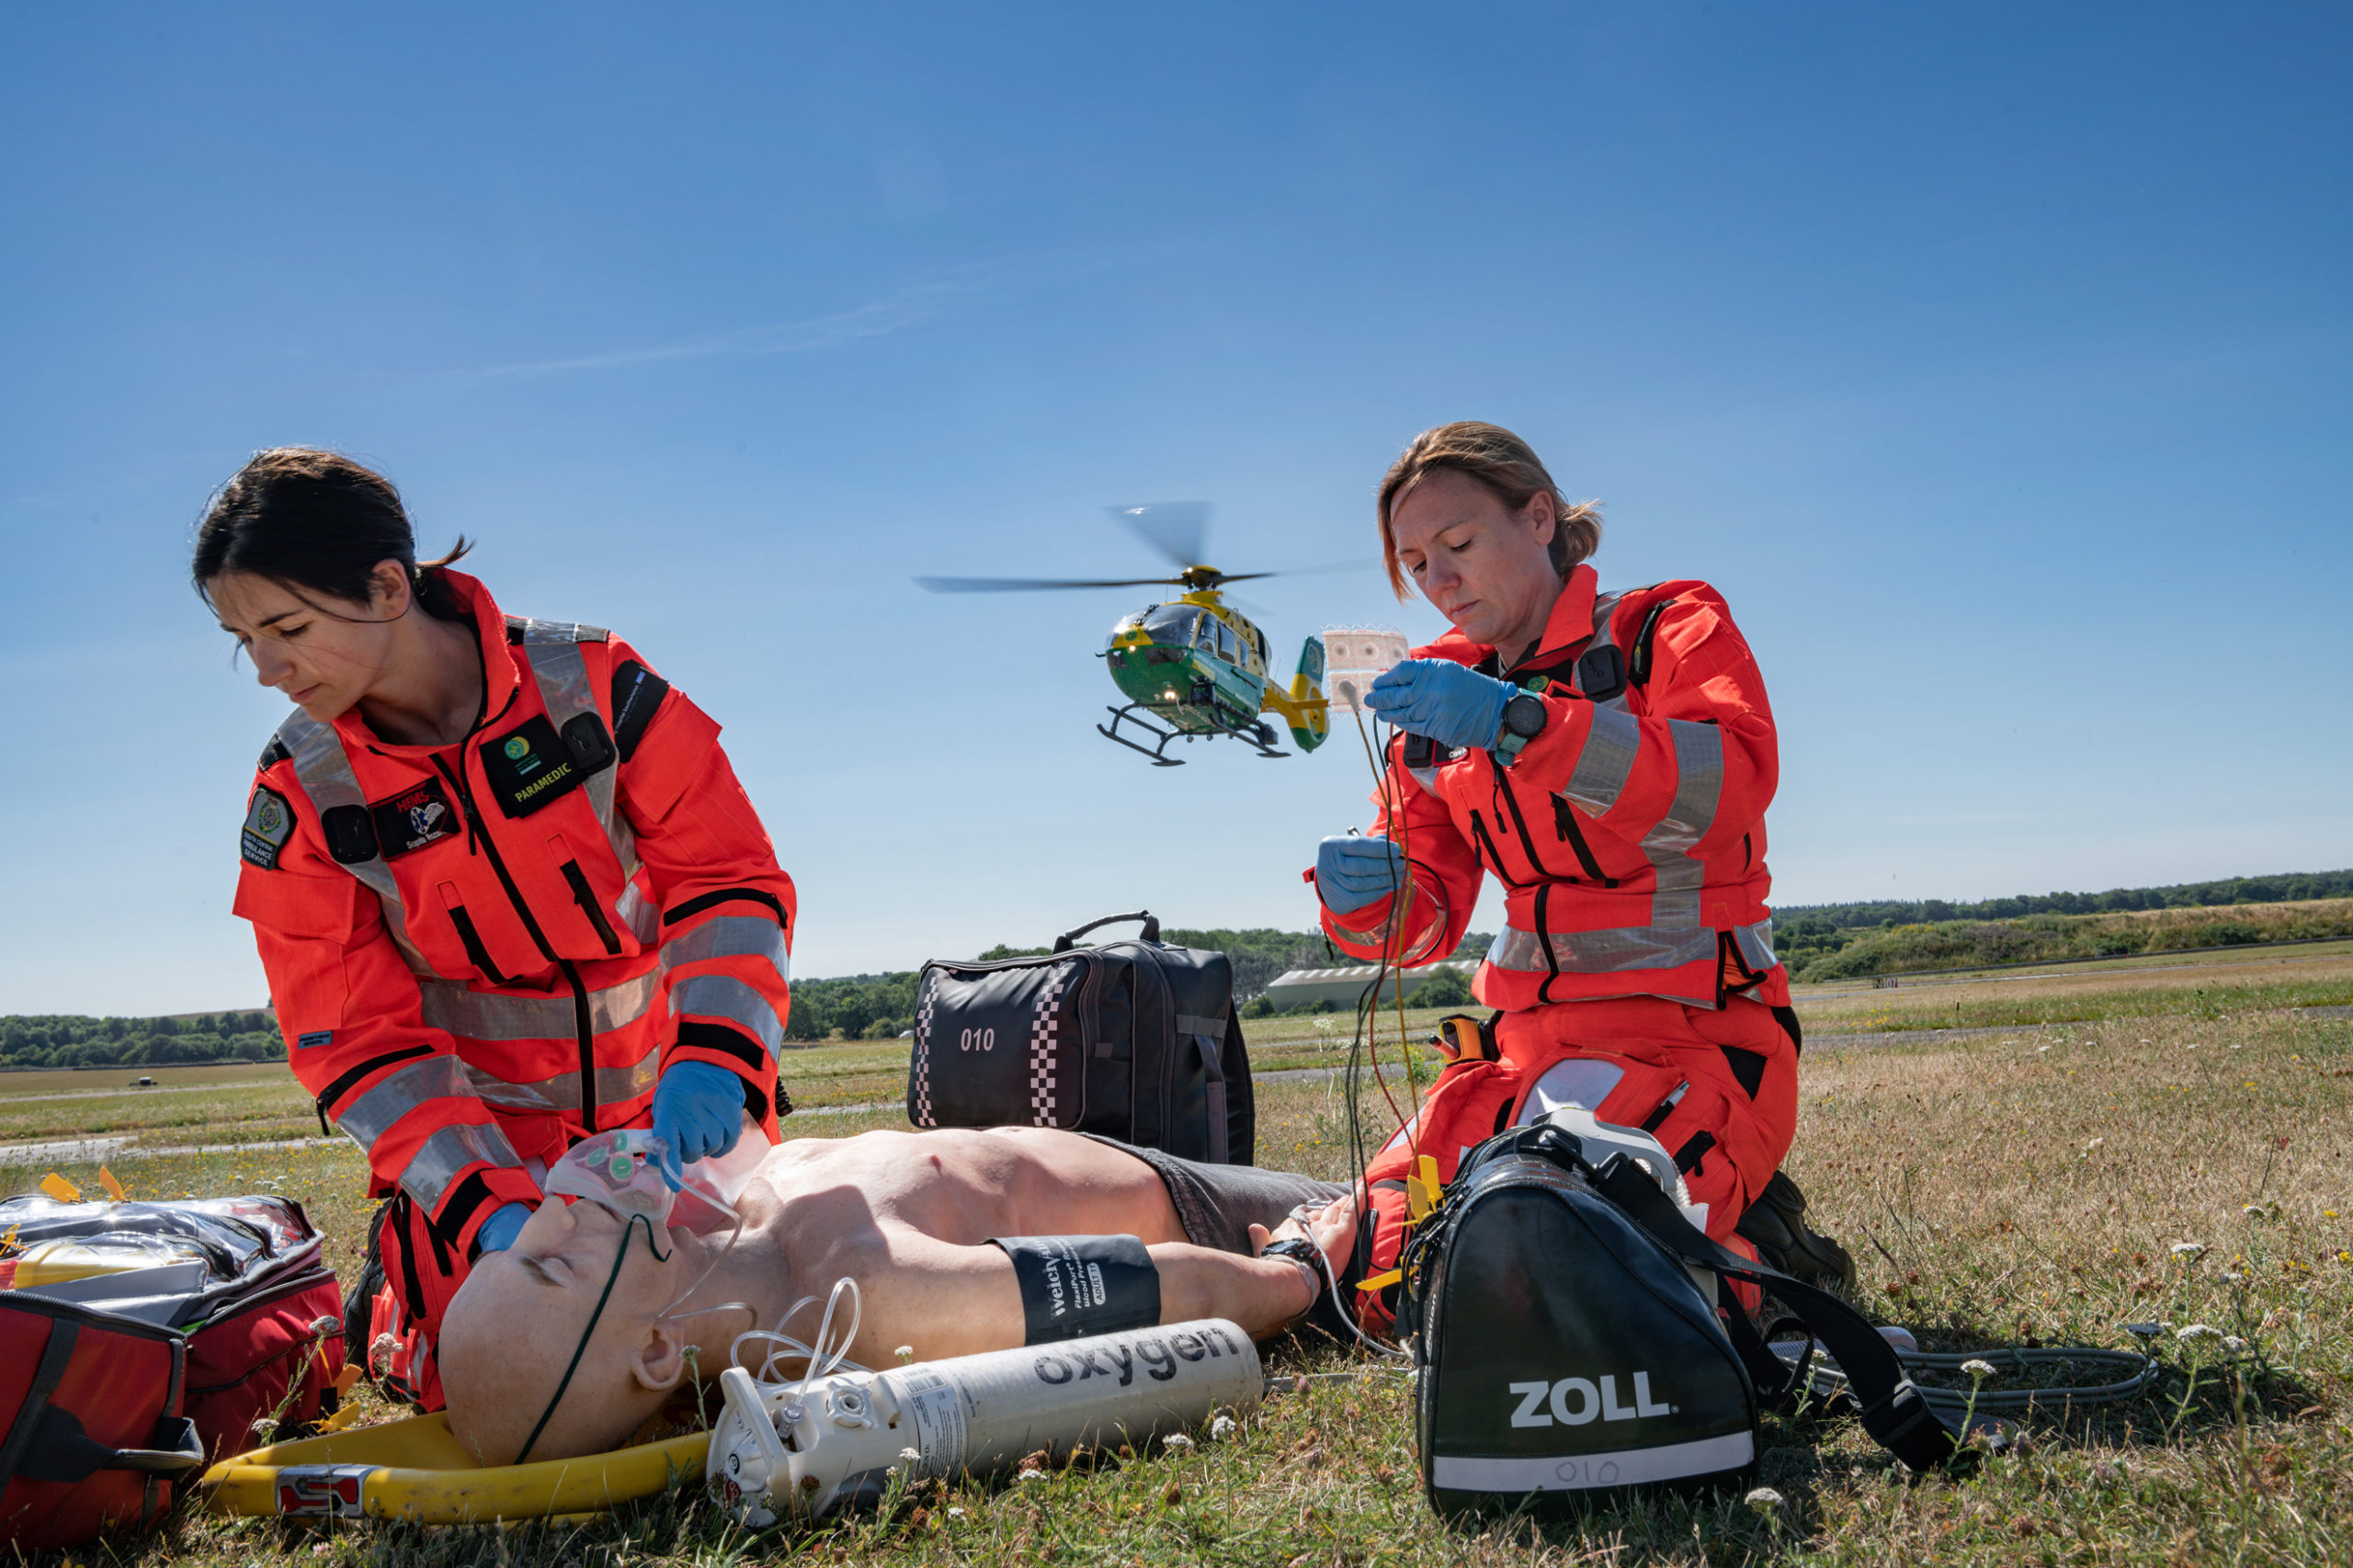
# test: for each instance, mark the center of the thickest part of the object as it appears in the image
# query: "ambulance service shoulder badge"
(270, 822)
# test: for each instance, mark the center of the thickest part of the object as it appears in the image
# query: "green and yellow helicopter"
(1194, 667)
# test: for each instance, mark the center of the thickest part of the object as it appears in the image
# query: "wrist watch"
(1524, 719)
(1308, 1256)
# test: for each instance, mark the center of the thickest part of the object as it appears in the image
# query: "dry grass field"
(2162, 1147)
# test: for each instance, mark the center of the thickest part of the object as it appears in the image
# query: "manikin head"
(512, 1326)
(1469, 515)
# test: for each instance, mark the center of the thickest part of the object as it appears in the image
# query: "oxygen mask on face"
(621, 1171)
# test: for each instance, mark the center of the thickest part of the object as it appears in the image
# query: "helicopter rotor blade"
(1034, 585)
(1179, 529)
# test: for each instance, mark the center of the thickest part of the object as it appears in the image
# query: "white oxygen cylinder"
(778, 1448)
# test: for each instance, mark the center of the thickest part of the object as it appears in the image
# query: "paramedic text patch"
(530, 765)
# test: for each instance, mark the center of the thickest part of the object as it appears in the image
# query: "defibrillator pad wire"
(1826, 1381)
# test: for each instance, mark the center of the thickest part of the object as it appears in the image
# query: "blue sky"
(1991, 360)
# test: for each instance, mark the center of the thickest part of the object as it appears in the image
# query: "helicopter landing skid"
(1257, 736)
(1135, 713)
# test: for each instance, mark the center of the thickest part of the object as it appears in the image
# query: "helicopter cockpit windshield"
(1173, 626)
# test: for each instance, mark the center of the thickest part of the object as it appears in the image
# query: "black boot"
(1774, 1225)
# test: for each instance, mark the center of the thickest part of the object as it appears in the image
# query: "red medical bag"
(95, 1435)
(189, 1331)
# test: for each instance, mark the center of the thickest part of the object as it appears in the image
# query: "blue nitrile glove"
(1453, 704)
(498, 1231)
(699, 1111)
(1352, 872)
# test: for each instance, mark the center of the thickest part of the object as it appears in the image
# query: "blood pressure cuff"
(1075, 1286)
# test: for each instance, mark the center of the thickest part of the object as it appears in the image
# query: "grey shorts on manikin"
(1217, 1204)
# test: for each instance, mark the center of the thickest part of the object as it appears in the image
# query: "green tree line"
(2280, 888)
(71, 1040)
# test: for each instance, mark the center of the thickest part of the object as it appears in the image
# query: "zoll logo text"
(1573, 1402)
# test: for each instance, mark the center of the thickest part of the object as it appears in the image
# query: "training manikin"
(959, 1242)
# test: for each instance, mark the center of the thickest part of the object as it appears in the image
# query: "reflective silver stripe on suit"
(1605, 762)
(1614, 950)
(451, 1006)
(1604, 606)
(637, 912)
(732, 936)
(449, 1150)
(724, 996)
(533, 633)
(368, 1117)
(327, 780)
(615, 1086)
(1699, 783)
(562, 675)
(1755, 944)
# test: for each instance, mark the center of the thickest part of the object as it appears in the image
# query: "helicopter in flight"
(1192, 667)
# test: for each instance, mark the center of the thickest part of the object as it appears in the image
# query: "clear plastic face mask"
(621, 1172)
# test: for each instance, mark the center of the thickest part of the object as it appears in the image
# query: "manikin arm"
(945, 1300)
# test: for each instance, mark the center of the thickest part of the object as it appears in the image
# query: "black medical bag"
(1136, 1041)
(1567, 1323)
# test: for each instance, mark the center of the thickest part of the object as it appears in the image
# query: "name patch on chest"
(412, 819)
(530, 765)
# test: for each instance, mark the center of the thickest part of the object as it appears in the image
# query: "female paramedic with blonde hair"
(1608, 757)
(506, 886)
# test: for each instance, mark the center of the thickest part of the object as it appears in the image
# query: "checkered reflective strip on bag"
(924, 1004)
(1041, 1051)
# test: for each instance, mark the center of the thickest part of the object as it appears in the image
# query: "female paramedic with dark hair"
(1608, 757)
(506, 888)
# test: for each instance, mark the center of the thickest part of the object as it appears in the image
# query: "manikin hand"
(1333, 1231)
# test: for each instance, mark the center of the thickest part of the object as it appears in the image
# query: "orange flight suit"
(481, 953)
(1630, 838)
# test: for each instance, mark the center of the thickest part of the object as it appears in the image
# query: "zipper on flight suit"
(1564, 823)
(582, 1023)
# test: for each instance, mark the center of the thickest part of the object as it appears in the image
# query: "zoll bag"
(137, 1338)
(1136, 1041)
(1566, 1319)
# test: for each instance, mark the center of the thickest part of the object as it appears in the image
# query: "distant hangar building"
(1342, 987)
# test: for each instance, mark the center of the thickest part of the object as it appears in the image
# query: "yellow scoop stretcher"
(416, 1469)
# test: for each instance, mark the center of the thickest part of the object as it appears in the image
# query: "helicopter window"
(1171, 625)
(1224, 640)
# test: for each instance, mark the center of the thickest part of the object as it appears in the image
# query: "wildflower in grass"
(955, 1513)
(910, 1455)
(2234, 1344)
(1978, 1369)
(1179, 1441)
(2192, 1333)
(2188, 1249)
(1765, 1500)
(1031, 1475)
(1223, 1428)
(2094, 1145)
